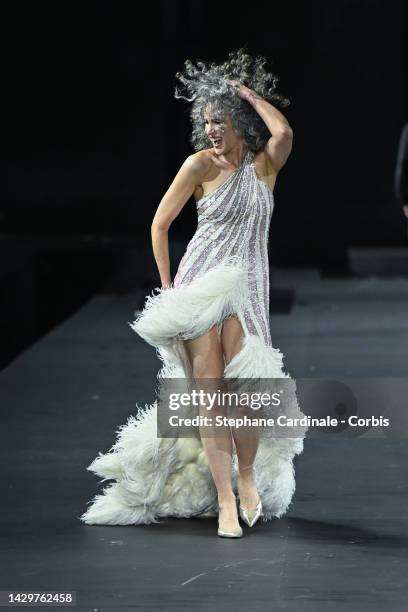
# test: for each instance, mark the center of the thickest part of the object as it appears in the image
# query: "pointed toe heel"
(250, 517)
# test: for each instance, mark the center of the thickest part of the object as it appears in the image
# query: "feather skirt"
(151, 478)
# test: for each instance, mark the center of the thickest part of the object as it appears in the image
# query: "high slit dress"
(224, 272)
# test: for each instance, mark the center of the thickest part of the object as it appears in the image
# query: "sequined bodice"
(234, 220)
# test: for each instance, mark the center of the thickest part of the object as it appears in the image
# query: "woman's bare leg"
(247, 444)
(207, 362)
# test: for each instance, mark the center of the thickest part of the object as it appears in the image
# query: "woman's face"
(220, 132)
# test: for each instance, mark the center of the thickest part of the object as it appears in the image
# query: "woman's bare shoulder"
(200, 162)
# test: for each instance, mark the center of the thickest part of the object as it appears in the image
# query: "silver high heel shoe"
(250, 517)
(234, 533)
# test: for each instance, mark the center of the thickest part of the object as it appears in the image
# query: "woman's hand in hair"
(243, 91)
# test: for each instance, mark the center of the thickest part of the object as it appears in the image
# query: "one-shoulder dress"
(224, 272)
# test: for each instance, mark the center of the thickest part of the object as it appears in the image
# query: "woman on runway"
(212, 322)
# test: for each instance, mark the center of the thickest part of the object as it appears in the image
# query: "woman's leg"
(207, 366)
(247, 443)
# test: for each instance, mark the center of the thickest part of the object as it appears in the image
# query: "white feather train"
(160, 477)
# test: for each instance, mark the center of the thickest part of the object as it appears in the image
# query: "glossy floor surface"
(343, 544)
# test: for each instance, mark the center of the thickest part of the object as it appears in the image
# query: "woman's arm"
(279, 144)
(173, 201)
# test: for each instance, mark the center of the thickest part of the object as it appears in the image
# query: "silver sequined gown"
(234, 220)
(224, 272)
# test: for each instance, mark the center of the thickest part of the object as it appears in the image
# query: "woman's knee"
(207, 370)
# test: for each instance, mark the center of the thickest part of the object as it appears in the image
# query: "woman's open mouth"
(217, 142)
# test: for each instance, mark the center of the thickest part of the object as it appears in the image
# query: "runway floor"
(343, 544)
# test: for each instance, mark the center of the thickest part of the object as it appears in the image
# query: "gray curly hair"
(205, 83)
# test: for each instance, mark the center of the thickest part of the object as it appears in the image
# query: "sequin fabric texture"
(234, 220)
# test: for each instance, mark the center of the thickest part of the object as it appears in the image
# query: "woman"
(212, 322)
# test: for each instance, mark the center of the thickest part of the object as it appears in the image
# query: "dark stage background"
(94, 137)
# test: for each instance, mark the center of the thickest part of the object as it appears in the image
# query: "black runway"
(342, 545)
